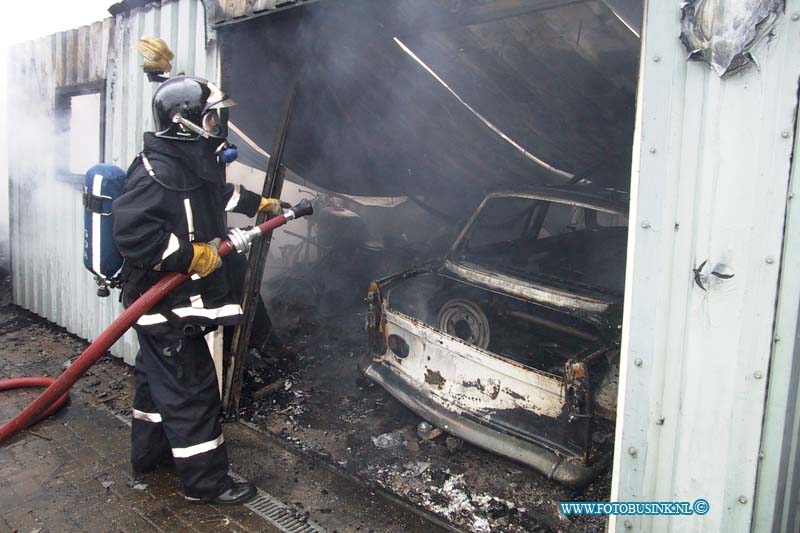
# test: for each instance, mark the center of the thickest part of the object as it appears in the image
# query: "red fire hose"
(56, 393)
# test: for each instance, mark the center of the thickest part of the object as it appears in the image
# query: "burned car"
(512, 341)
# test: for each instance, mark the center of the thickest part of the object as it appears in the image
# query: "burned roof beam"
(503, 9)
(491, 12)
(423, 22)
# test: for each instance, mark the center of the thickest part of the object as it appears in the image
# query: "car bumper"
(569, 472)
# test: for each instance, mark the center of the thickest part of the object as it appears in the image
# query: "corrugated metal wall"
(711, 174)
(46, 230)
(778, 491)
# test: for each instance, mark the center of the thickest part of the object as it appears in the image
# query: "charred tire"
(464, 319)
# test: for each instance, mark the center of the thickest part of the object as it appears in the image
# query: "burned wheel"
(466, 320)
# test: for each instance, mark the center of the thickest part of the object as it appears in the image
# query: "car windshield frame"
(573, 199)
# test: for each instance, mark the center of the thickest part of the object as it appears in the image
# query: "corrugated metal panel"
(47, 268)
(711, 170)
(778, 491)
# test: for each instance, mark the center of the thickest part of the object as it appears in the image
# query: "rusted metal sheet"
(47, 270)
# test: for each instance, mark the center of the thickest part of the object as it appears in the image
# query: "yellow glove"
(205, 260)
(270, 205)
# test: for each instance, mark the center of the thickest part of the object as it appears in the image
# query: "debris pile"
(437, 489)
(322, 406)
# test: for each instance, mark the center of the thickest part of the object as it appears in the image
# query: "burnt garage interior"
(407, 115)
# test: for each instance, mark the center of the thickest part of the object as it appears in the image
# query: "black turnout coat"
(156, 219)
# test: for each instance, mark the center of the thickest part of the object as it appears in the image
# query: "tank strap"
(149, 168)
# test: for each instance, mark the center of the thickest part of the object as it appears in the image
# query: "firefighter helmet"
(188, 108)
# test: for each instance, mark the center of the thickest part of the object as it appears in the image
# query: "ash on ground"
(307, 390)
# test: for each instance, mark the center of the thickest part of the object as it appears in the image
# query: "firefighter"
(171, 211)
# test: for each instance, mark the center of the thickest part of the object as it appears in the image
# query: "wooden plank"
(97, 41)
(70, 58)
(273, 184)
(60, 64)
(114, 98)
(95, 50)
(83, 54)
(108, 50)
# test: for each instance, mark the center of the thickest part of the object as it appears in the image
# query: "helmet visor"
(217, 99)
(215, 123)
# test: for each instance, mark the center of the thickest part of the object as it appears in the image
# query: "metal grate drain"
(278, 514)
(268, 507)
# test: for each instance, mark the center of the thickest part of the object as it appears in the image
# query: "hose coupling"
(241, 239)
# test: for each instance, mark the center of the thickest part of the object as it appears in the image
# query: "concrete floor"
(71, 472)
(310, 447)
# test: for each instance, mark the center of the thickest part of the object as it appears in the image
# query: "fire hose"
(54, 396)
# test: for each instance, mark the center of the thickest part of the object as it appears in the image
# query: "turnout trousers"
(176, 408)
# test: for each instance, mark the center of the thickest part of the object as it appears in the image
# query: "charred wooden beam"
(503, 9)
(273, 184)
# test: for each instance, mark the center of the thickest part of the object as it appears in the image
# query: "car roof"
(601, 200)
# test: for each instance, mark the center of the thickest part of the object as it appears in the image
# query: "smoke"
(31, 21)
(474, 106)
(35, 194)
(427, 105)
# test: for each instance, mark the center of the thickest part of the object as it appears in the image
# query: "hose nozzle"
(240, 239)
(302, 209)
